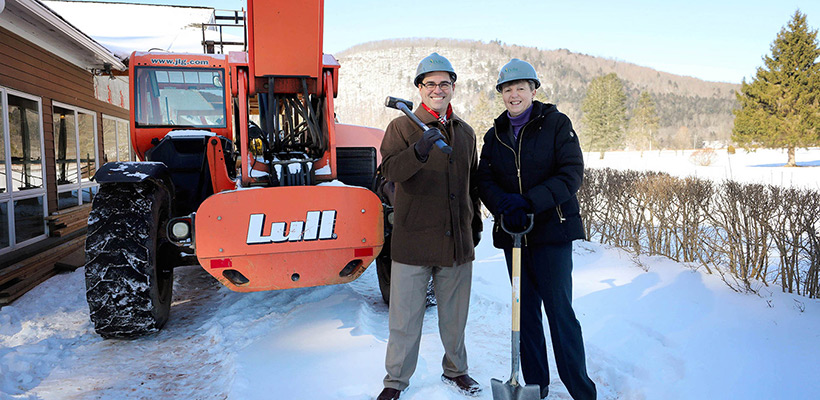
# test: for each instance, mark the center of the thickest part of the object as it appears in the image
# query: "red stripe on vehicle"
(223, 263)
(366, 252)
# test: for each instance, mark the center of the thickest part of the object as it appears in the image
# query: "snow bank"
(661, 331)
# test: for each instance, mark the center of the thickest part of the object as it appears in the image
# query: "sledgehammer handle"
(401, 104)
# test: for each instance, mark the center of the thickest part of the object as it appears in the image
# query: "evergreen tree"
(779, 107)
(604, 109)
(644, 123)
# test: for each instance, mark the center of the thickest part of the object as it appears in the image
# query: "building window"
(4, 188)
(4, 226)
(29, 215)
(116, 140)
(75, 151)
(22, 188)
(65, 146)
(25, 143)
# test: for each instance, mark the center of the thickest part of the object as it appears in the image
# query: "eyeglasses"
(445, 85)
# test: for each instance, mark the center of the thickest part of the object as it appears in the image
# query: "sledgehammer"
(406, 106)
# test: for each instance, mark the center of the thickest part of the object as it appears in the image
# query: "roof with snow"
(37, 23)
(124, 27)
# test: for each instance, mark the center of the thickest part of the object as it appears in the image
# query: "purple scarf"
(519, 121)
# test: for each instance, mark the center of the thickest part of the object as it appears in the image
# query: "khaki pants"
(408, 291)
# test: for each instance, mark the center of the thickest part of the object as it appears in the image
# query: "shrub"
(703, 157)
(750, 234)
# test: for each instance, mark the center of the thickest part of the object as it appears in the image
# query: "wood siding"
(31, 69)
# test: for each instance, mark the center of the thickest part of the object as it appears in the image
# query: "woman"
(531, 162)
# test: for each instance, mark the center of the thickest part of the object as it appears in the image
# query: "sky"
(718, 40)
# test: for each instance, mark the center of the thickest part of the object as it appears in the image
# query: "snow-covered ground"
(761, 166)
(658, 330)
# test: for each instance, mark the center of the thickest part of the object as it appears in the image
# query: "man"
(436, 226)
(531, 163)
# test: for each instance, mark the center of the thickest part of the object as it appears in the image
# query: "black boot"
(389, 394)
(464, 384)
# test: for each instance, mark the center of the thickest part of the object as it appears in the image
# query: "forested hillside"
(690, 110)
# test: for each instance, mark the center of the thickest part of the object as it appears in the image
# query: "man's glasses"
(446, 85)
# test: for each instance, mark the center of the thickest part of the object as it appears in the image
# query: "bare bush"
(703, 157)
(740, 237)
(752, 235)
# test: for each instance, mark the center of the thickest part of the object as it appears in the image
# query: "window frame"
(117, 122)
(81, 184)
(10, 196)
(145, 105)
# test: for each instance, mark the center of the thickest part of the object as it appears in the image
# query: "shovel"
(512, 390)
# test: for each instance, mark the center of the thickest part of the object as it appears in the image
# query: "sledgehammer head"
(393, 102)
(405, 106)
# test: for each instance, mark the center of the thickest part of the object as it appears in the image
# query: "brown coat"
(437, 202)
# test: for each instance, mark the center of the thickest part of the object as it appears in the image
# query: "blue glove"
(516, 220)
(511, 201)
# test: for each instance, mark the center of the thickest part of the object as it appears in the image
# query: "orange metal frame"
(286, 237)
(278, 237)
(285, 41)
(219, 170)
(141, 138)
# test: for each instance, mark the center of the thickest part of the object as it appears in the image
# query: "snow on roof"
(124, 28)
(42, 26)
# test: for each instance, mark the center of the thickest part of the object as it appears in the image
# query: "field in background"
(763, 166)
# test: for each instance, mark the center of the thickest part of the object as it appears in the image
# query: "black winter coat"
(544, 164)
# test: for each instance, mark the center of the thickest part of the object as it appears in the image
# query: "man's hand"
(426, 143)
(388, 190)
(477, 226)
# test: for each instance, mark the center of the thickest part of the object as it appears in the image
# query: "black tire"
(383, 267)
(129, 262)
(384, 264)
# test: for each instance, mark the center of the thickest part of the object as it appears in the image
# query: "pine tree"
(604, 109)
(779, 107)
(644, 123)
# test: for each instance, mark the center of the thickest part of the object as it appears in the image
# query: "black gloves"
(516, 220)
(477, 226)
(511, 201)
(514, 207)
(426, 143)
(388, 190)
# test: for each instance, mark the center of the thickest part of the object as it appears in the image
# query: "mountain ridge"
(687, 106)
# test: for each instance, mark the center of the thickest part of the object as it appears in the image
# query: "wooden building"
(59, 122)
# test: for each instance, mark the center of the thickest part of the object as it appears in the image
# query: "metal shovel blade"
(509, 391)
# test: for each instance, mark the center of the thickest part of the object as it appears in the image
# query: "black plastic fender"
(134, 172)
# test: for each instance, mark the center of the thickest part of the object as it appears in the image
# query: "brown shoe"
(464, 384)
(389, 394)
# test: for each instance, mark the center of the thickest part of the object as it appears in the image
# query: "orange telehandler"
(288, 202)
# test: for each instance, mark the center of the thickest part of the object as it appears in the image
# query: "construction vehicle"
(285, 203)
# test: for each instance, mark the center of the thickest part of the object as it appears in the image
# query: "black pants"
(546, 278)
